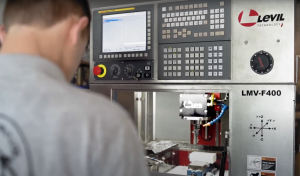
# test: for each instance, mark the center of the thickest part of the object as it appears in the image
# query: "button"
(195, 34)
(174, 62)
(187, 73)
(186, 13)
(201, 73)
(192, 55)
(170, 74)
(221, 26)
(222, 10)
(192, 49)
(220, 54)
(217, 26)
(210, 61)
(222, 16)
(187, 49)
(164, 15)
(212, 26)
(196, 73)
(200, 5)
(220, 61)
(174, 56)
(165, 62)
(100, 56)
(170, 56)
(174, 73)
(217, 16)
(197, 67)
(187, 61)
(191, 6)
(178, 49)
(209, 54)
(198, 17)
(212, 21)
(172, 14)
(222, 20)
(197, 61)
(178, 56)
(196, 13)
(192, 74)
(217, 10)
(215, 54)
(210, 48)
(215, 61)
(191, 24)
(202, 17)
(192, 61)
(168, 15)
(174, 68)
(178, 67)
(217, 21)
(204, 4)
(181, 14)
(212, 16)
(164, 9)
(187, 67)
(220, 67)
(183, 35)
(125, 55)
(146, 55)
(187, 55)
(97, 70)
(108, 56)
(201, 48)
(197, 49)
(165, 56)
(165, 68)
(220, 48)
(192, 68)
(165, 74)
(201, 67)
(215, 73)
(169, 67)
(196, 55)
(201, 61)
(209, 73)
(178, 73)
(169, 62)
(191, 13)
(201, 54)
(205, 12)
(222, 3)
(210, 67)
(215, 67)
(220, 73)
(212, 11)
(195, 6)
(179, 62)
(147, 68)
(147, 75)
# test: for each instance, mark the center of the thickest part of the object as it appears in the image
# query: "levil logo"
(260, 18)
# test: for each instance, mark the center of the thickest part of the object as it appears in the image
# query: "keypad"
(198, 61)
(199, 21)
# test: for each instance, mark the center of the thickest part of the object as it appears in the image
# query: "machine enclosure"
(261, 107)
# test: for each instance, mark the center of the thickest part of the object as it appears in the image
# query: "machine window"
(124, 32)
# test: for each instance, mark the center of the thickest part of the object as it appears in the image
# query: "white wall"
(93, 4)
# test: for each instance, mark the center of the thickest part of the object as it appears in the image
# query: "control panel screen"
(126, 32)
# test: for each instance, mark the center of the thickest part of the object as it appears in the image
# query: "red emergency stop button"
(99, 71)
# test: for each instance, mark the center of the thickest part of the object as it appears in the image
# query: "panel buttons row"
(191, 6)
(116, 56)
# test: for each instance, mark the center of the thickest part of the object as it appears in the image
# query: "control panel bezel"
(98, 55)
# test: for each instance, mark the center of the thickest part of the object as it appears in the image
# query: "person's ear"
(77, 30)
(2, 33)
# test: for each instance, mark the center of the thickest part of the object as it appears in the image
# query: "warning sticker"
(259, 173)
(261, 163)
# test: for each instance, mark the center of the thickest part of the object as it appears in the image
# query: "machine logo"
(260, 20)
(190, 104)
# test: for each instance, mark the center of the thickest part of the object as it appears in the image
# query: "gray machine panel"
(118, 70)
(195, 61)
(194, 21)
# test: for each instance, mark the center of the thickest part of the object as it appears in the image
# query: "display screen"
(124, 32)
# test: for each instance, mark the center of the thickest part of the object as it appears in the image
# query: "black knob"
(129, 69)
(114, 70)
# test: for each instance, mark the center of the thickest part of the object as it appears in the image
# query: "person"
(47, 126)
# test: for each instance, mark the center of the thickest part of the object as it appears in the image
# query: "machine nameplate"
(249, 93)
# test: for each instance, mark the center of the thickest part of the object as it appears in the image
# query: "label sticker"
(259, 173)
(261, 163)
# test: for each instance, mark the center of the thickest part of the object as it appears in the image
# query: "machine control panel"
(191, 21)
(195, 61)
(123, 34)
(123, 70)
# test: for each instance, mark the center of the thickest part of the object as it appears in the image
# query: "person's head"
(57, 30)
